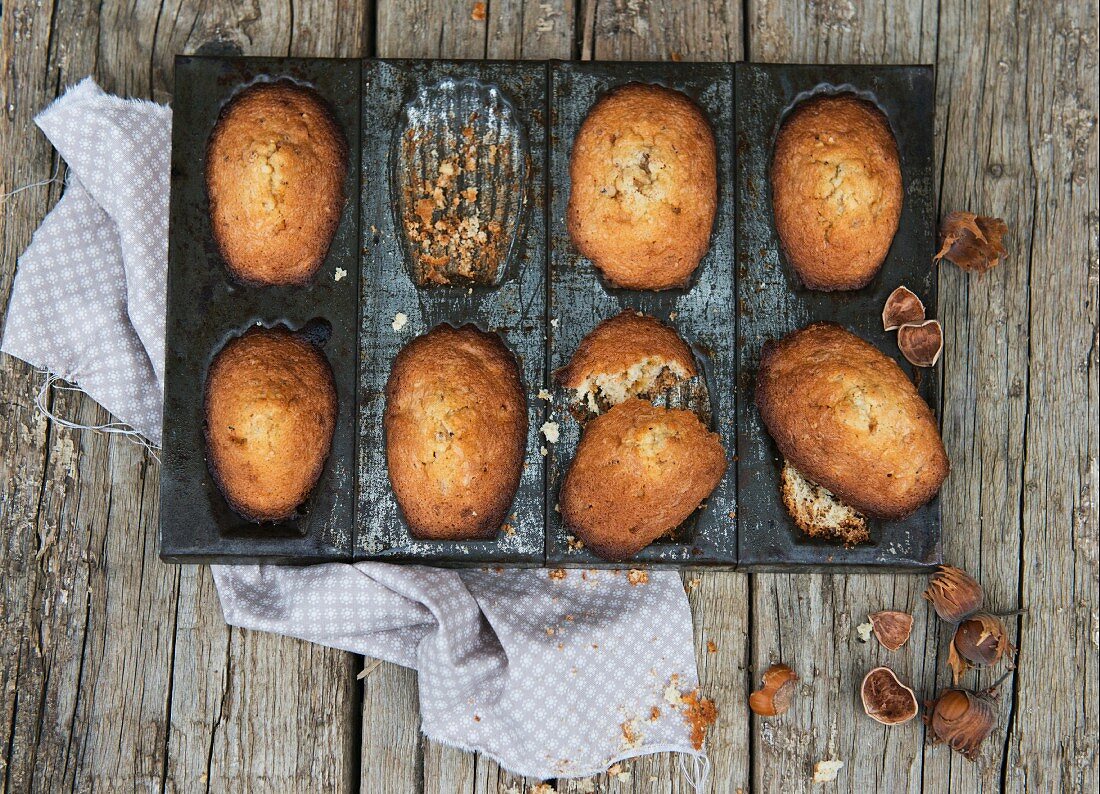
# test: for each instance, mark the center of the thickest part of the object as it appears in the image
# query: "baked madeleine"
(644, 187)
(628, 355)
(270, 408)
(836, 191)
(848, 419)
(456, 429)
(639, 472)
(275, 168)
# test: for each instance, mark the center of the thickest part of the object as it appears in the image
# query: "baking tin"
(772, 303)
(398, 95)
(703, 313)
(207, 307)
(543, 301)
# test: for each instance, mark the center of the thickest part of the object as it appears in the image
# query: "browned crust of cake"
(275, 227)
(846, 416)
(836, 191)
(269, 409)
(644, 187)
(620, 342)
(456, 431)
(639, 472)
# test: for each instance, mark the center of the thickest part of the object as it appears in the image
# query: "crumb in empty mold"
(550, 431)
(399, 321)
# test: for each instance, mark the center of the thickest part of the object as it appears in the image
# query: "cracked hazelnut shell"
(921, 343)
(886, 699)
(774, 697)
(902, 308)
(972, 242)
(891, 627)
(954, 593)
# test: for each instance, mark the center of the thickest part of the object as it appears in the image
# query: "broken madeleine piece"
(628, 355)
(818, 513)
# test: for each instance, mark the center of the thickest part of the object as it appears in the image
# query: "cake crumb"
(699, 713)
(616, 771)
(340, 273)
(554, 322)
(693, 583)
(557, 574)
(508, 529)
(864, 631)
(574, 543)
(654, 714)
(550, 431)
(545, 395)
(541, 788)
(637, 577)
(399, 321)
(632, 737)
(544, 451)
(712, 647)
(826, 771)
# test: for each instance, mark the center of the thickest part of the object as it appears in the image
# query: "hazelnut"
(891, 627)
(886, 699)
(774, 697)
(954, 593)
(961, 719)
(980, 641)
(902, 308)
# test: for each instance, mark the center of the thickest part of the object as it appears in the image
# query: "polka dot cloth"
(552, 676)
(99, 259)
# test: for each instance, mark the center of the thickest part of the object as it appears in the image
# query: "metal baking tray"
(703, 313)
(772, 303)
(207, 307)
(440, 96)
(544, 300)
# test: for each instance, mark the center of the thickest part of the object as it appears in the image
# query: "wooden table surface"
(117, 670)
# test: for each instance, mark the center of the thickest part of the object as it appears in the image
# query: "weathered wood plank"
(90, 642)
(808, 621)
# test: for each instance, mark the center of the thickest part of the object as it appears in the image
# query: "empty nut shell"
(921, 343)
(774, 697)
(973, 242)
(962, 720)
(886, 699)
(980, 640)
(954, 593)
(902, 308)
(891, 627)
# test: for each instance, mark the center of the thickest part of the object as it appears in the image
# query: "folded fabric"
(552, 674)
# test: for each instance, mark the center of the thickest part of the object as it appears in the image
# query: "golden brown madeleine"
(628, 355)
(270, 407)
(639, 472)
(836, 191)
(848, 419)
(644, 187)
(275, 168)
(456, 429)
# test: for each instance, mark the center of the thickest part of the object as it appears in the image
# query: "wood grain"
(117, 672)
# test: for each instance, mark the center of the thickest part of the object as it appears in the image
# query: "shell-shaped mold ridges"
(459, 168)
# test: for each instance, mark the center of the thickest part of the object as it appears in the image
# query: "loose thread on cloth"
(50, 381)
(53, 178)
(698, 776)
